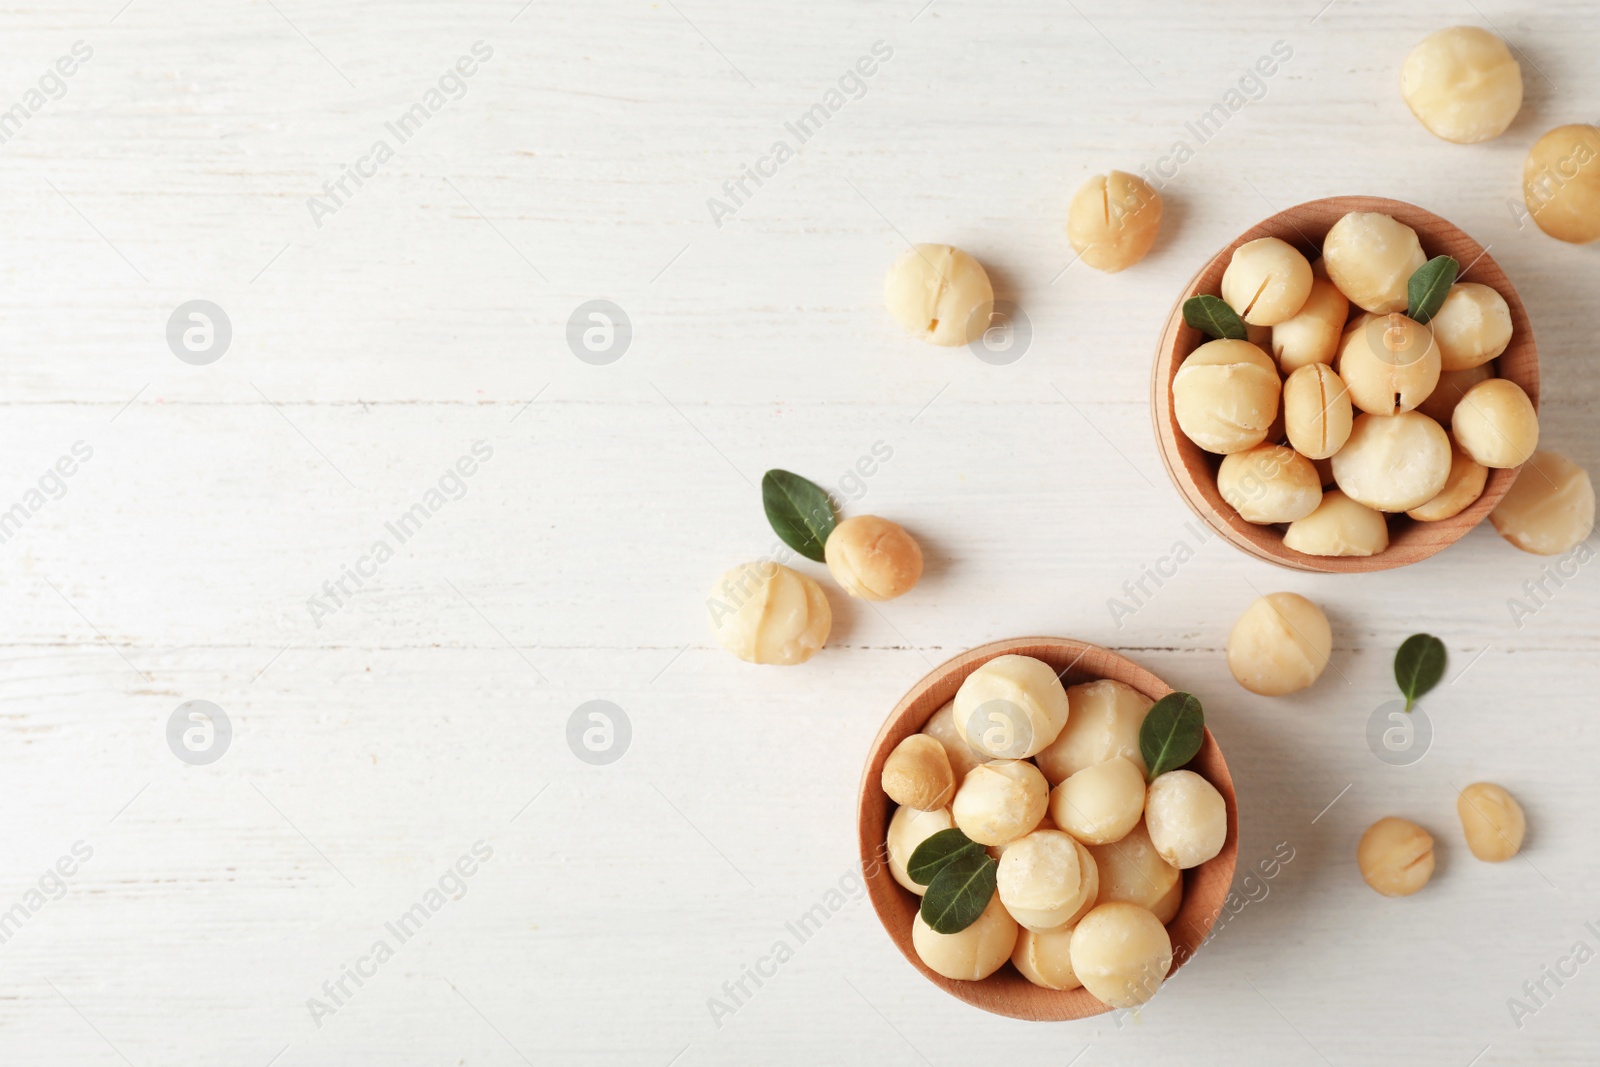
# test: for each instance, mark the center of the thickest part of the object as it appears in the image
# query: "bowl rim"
(1007, 993)
(1265, 542)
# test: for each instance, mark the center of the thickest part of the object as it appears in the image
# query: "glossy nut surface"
(766, 613)
(1187, 818)
(1280, 645)
(909, 828)
(942, 728)
(1317, 412)
(1389, 363)
(1371, 257)
(1495, 424)
(873, 558)
(972, 954)
(1463, 84)
(1225, 396)
(1103, 723)
(1492, 821)
(1549, 508)
(1267, 281)
(1011, 707)
(1121, 953)
(1395, 856)
(1269, 483)
(1312, 334)
(1561, 183)
(1393, 463)
(1453, 385)
(1339, 527)
(1472, 326)
(1113, 220)
(1045, 879)
(1100, 804)
(1000, 801)
(939, 294)
(1462, 486)
(917, 774)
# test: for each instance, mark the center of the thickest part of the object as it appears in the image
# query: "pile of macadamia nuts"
(1091, 857)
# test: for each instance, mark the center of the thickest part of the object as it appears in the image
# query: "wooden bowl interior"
(1194, 470)
(1006, 992)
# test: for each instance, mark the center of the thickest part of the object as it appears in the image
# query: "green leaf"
(1428, 287)
(800, 512)
(958, 894)
(1418, 666)
(1172, 732)
(942, 848)
(1212, 316)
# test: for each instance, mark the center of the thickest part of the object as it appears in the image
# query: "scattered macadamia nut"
(972, 954)
(1561, 183)
(1395, 856)
(873, 558)
(1045, 879)
(1463, 486)
(1471, 327)
(1492, 821)
(942, 728)
(1131, 870)
(1011, 707)
(1462, 84)
(1280, 645)
(1113, 220)
(1000, 801)
(1187, 818)
(1269, 483)
(1393, 463)
(1389, 363)
(1121, 953)
(1312, 334)
(1453, 385)
(1495, 424)
(1267, 281)
(1549, 509)
(1225, 396)
(1045, 958)
(1103, 723)
(908, 828)
(766, 613)
(1166, 909)
(1100, 804)
(917, 774)
(1371, 258)
(1316, 411)
(939, 294)
(1339, 527)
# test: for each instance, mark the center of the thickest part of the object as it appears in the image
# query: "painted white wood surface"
(369, 353)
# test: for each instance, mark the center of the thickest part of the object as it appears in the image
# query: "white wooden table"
(376, 336)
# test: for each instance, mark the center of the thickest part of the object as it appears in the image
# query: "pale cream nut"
(1187, 818)
(1100, 804)
(1266, 281)
(908, 828)
(873, 558)
(1453, 385)
(1463, 84)
(968, 955)
(1463, 486)
(1471, 327)
(1045, 958)
(1113, 220)
(1561, 183)
(1225, 396)
(1549, 509)
(1269, 483)
(1000, 801)
(1339, 527)
(1011, 707)
(1103, 723)
(1389, 363)
(766, 613)
(997, 852)
(1166, 909)
(1280, 645)
(1394, 463)
(1495, 424)
(1121, 953)
(1312, 334)
(1371, 258)
(917, 774)
(1395, 856)
(939, 294)
(1316, 410)
(1045, 879)
(942, 728)
(1492, 821)
(1132, 870)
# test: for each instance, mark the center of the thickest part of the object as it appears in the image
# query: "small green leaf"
(944, 847)
(958, 894)
(1428, 287)
(1212, 316)
(800, 512)
(1418, 666)
(1172, 732)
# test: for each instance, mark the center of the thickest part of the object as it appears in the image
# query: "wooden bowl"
(1194, 470)
(1006, 992)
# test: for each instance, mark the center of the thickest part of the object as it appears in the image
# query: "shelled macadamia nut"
(1471, 327)
(1166, 909)
(1132, 870)
(1000, 801)
(1339, 527)
(1389, 363)
(1011, 707)
(1269, 483)
(942, 728)
(939, 294)
(1045, 879)
(1121, 953)
(1100, 804)
(1225, 396)
(908, 828)
(1045, 958)
(997, 852)
(917, 774)
(1312, 334)
(1280, 645)
(1267, 281)
(1495, 424)
(1549, 509)
(1103, 723)
(766, 613)
(1395, 856)
(1113, 220)
(1187, 818)
(1453, 385)
(1316, 410)
(1464, 485)
(1561, 183)
(873, 558)
(1393, 463)
(1492, 821)
(972, 954)
(1462, 84)
(1371, 258)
